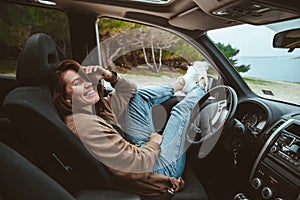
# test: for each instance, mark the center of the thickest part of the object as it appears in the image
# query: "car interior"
(43, 159)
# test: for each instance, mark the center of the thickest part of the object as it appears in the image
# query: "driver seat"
(49, 143)
(45, 139)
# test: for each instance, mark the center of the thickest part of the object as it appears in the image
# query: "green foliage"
(18, 22)
(13, 23)
(257, 81)
(109, 27)
(230, 52)
(169, 49)
(186, 51)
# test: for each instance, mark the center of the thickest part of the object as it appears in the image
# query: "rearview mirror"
(287, 39)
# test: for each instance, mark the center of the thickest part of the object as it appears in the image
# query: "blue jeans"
(139, 126)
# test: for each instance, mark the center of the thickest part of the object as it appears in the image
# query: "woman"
(118, 129)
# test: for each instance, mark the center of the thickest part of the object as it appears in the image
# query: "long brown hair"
(58, 88)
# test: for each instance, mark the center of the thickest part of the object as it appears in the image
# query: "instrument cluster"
(254, 122)
(254, 117)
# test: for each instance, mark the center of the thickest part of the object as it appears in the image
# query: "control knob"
(266, 193)
(274, 149)
(256, 183)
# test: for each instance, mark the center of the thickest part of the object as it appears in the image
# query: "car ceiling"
(190, 15)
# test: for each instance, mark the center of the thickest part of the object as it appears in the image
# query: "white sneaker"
(202, 67)
(193, 74)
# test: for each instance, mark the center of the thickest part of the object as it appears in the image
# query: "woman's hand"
(155, 137)
(97, 72)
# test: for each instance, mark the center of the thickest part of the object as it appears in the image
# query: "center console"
(276, 172)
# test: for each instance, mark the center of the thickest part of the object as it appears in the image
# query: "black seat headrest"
(38, 57)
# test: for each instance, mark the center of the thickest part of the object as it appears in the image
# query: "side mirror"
(287, 39)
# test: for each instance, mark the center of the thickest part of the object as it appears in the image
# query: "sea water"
(282, 68)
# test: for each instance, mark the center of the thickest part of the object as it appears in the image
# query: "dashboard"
(254, 116)
(275, 173)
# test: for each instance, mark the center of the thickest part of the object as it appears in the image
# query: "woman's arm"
(111, 149)
(120, 97)
(124, 89)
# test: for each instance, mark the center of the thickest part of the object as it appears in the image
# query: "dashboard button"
(266, 193)
(273, 149)
(256, 183)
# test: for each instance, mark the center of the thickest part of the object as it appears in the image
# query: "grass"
(257, 81)
(8, 66)
(7, 70)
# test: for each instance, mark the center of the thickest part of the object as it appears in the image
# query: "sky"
(250, 40)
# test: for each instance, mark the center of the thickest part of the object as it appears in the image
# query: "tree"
(121, 40)
(114, 40)
(230, 52)
(156, 40)
(18, 22)
(126, 37)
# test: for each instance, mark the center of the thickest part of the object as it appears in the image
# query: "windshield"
(269, 72)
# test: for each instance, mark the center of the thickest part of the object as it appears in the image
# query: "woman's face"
(79, 91)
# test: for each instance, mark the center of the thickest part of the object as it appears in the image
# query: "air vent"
(273, 129)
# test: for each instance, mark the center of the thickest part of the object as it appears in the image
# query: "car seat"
(20, 179)
(50, 144)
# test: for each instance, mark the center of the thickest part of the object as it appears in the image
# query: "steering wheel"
(206, 123)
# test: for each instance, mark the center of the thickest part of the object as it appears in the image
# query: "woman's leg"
(171, 160)
(138, 120)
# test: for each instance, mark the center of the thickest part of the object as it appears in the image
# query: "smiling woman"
(133, 151)
(77, 86)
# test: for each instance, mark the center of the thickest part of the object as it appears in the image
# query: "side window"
(18, 22)
(145, 54)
